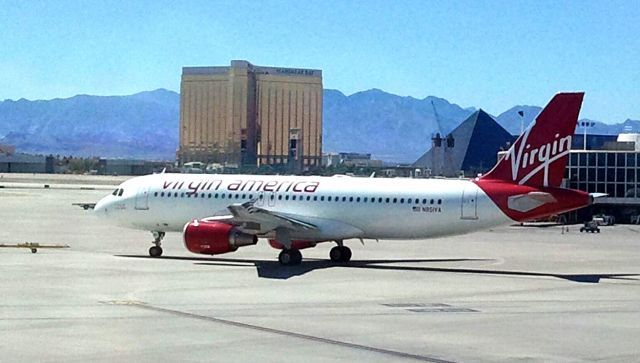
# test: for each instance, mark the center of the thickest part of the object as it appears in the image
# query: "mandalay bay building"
(249, 115)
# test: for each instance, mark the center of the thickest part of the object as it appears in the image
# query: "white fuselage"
(341, 207)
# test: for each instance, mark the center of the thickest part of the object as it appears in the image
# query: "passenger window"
(351, 199)
(439, 201)
(358, 199)
(395, 200)
(293, 197)
(432, 201)
(315, 198)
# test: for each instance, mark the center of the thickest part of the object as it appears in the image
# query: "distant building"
(25, 163)
(251, 115)
(129, 167)
(468, 150)
(350, 159)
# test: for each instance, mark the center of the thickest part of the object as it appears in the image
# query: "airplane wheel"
(33, 250)
(346, 254)
(340, 254)
(155, 251)
(290, 257)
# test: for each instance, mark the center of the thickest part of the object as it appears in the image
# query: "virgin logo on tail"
(542, 156)
(538, 157)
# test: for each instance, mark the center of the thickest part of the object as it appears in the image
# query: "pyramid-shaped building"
(471, 148)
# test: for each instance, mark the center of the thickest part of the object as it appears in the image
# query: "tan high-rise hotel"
(251, 115)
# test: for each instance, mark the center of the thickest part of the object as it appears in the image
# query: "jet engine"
(214, 238)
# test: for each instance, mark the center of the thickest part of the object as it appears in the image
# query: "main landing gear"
(340, 254)
(292, 256)
(156, 251)
(289, 257)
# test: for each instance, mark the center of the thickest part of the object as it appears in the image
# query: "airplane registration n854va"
(219, 213)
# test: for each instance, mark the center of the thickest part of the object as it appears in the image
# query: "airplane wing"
(249, 218)
(252, 219)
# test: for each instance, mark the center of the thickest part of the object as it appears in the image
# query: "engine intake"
(214, 238)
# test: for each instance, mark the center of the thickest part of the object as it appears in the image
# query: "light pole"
(584, 125)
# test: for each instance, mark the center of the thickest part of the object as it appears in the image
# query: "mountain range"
(145, 125)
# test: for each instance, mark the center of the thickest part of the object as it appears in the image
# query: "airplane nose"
(100, 208)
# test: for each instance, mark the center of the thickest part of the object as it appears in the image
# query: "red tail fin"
(539, 156)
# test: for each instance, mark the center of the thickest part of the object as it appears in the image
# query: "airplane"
(218, 214)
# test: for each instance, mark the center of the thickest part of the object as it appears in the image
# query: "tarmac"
(519, 293)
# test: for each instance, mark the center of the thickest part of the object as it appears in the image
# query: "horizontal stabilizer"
(532, 200)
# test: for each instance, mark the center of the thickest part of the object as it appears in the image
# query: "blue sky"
(489, 54)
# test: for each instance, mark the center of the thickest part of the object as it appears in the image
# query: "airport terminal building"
(611, 165)
(247, 115)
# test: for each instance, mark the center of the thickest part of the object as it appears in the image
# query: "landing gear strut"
(340, 253)
(156, 251)
(289, 257)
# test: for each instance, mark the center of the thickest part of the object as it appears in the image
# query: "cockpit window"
(115, 192)
(120, 192)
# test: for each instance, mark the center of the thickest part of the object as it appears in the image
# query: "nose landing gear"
(156, 251)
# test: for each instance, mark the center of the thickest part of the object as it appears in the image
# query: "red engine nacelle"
(213, 238)
(296, 245)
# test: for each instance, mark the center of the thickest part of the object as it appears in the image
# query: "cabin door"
(469, 205)
(142, 198)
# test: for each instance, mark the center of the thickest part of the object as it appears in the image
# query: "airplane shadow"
(271, 269)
